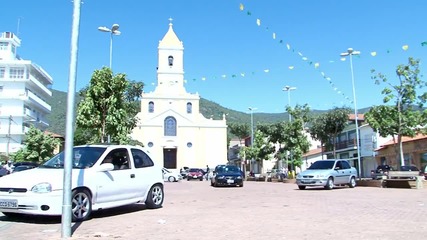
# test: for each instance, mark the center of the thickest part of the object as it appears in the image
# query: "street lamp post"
(289, 89)
(252, 109)
(350, 52)
(114, 31)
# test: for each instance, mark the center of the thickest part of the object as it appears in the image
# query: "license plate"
(194, 176)
(8, 203)
(230, 181)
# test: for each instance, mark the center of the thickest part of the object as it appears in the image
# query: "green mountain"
(209, 109)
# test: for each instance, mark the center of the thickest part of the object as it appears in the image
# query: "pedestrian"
(207, 172)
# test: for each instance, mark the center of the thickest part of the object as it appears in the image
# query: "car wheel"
(188, 179)
(155, 197)
(171, 179)
(241, 185)
(201, 179)
(330, 183)
(212, 184)
(81, 205)
(352, 182)
(301, 187)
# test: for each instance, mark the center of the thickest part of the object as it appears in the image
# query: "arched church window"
(170, 126)
(170, 60)
(151, 107)
(189, 107)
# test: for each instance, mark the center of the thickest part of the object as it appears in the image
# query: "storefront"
(414, 152)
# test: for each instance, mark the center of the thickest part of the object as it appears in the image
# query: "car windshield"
(195, 170)
(82, 157)
(323, 164)
(408, 168)
(228, 169)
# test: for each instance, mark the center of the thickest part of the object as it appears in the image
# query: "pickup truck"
(382, 170)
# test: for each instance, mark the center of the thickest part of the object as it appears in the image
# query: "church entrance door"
(169, 158)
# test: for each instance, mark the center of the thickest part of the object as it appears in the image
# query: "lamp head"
(115, 27)
(104, 29)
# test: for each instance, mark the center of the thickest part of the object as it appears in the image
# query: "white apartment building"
(24, 89)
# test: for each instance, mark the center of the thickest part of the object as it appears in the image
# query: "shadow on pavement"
(34, 219)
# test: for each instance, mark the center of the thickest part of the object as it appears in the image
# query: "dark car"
(3, 171)
(409, 168)
(195, 173)
(21, 168)
(227, 176)
(382, 170)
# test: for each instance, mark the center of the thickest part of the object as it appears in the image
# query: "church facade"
(170, 123)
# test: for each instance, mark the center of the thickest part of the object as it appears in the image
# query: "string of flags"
(316, 65)
(304, 58)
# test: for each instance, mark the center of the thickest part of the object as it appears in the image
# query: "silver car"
(327, 173)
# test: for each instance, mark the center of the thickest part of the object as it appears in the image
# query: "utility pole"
(8, 136)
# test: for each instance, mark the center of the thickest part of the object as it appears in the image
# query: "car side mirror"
(337, 168)
(105, 167)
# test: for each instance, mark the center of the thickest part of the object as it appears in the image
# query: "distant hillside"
(208, 108)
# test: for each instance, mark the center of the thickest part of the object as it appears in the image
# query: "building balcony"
(342, 145)
(40, 102)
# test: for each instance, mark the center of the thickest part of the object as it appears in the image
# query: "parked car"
(195, 173)
(103, 176)
(21, 168)
(327, 173)
(170, 175)
(3, 171)
(380, 171)
(224, 175)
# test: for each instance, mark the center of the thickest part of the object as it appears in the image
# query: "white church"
(170, 123)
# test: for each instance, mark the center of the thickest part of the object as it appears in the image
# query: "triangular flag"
(316, 65)
(203, 78)
(249, 13)
(267, 70)
(241, 7)
(342, 59)
(424, 44)
(405, 47)
(224, 76)
(242, 74)
(258, 22)
(291, 67)
(274, 35)
(374, 54)
(304, 58)
(288, 46)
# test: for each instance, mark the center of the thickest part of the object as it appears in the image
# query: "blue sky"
(230, 56)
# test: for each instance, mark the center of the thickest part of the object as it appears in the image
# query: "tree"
(405, 117)
(107, 108)
(240, 130)
(261, 150)
(289, 136)
(328, 126)
(38, 147)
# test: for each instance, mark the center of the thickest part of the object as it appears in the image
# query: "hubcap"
(157, 195)
(80, 205)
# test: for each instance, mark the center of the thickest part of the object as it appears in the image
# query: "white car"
(327, 173)
(103, 176)
(171, 175)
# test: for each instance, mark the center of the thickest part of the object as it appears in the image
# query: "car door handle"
(132, 175)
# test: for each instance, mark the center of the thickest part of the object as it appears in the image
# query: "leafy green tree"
(38, 147)
(405, 117)
(240, 130)
(328, 126)
(261, 150)
(107, 107)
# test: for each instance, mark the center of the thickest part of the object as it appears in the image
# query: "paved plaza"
(259, 210)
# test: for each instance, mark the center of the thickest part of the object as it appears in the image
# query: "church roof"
(170, 39)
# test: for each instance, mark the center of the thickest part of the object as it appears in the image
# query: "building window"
(189, 107)
(170, 60)
(189, 144)
(1, 88)
(13, 49)
(170, 126)
(3, 45)
(2, 71)
(150, 144)
(150, 107)
(17, 73)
